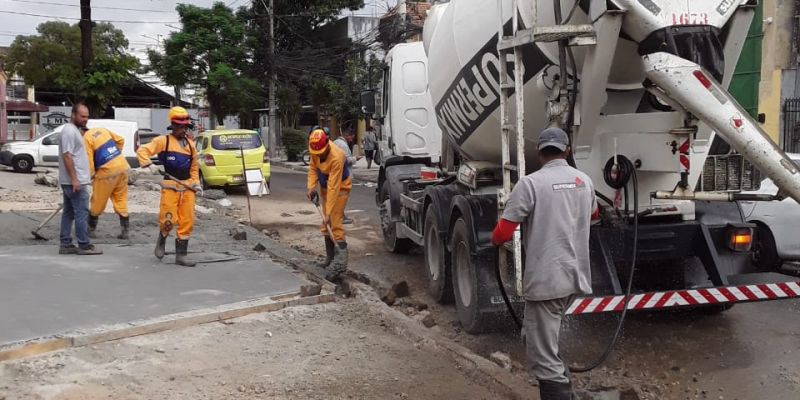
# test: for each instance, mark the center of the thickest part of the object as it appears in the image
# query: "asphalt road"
(747, 352)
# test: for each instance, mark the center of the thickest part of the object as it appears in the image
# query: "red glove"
(503, 231)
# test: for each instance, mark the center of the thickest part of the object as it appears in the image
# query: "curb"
(304, 168)
(33, 347)
(477, 367)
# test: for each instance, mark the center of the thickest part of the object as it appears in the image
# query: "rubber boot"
(329, 253)
(550, 390)
(93, 226)
(181, 251)
(124, 224)
(161, 245)
(339, 263)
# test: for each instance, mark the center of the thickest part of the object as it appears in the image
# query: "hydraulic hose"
(625, 173)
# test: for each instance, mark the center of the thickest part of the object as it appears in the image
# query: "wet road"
(748, 352)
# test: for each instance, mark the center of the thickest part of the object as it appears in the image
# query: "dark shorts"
(370, 154)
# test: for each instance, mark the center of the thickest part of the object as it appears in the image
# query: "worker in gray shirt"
(555, 206)
(73, 176)
(342, 143)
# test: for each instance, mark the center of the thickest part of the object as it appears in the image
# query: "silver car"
(778, 233)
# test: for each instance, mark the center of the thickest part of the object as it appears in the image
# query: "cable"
(78, 19)
(626, 171)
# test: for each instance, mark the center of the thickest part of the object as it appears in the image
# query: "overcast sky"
(142, 21)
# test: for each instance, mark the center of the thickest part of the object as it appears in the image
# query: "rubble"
(310, 290)
(225, 203)
(215, 194)
(501, 359)
(46, 179)
(425, 318)
(259, 247)
(238, 233)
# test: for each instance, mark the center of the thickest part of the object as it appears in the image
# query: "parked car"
(220, 152)
(778, 226)
(43, 150)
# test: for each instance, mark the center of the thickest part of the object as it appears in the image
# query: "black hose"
(505, 295)
(621, 179)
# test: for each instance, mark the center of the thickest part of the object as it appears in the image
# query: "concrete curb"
(168, 322)
(479, 368)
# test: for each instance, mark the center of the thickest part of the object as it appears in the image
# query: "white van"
(43, 150)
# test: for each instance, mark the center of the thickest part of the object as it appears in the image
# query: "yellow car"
(220, 152)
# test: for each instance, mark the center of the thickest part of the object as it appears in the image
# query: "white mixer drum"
(464, 72)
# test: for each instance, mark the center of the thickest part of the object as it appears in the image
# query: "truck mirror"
(368, 102)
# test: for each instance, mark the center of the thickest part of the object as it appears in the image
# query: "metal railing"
(791, 125)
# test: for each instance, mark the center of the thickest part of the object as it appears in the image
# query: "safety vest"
(103, 148)
(177, 164)
(323, 178)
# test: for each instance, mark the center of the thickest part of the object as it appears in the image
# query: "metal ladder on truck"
(509, 50)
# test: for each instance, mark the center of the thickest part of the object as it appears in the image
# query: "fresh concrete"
(43, 293)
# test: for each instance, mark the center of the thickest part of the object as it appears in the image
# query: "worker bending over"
(555, 204)
(177, 154)
(329, 169)
(109, 169)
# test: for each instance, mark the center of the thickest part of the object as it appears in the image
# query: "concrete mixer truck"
(641, 88)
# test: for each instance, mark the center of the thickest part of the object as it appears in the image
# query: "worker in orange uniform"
(109, 171)
(329, 170)
(177, 154)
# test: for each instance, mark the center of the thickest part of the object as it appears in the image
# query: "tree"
(52, 59)
(210, 51)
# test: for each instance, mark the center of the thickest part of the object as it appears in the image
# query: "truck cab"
(403, 106)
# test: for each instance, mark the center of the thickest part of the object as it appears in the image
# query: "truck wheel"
(22, 163)
(466, 287)
(391, 242)
(437, 261)
(765, 252)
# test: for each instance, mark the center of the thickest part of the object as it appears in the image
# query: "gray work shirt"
(555, 205)
(342, 144)
(71, 141)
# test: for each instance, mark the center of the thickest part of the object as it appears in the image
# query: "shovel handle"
(185, 186)
(49, 217)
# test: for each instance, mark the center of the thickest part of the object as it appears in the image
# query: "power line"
(76, 5)
(78, 19)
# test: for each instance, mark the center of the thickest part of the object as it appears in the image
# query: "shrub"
(295, 141)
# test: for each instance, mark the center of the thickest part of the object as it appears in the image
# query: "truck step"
(686, 298)
(545, 34)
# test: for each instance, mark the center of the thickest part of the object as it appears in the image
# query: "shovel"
(35, 232)
(336, 248)
(185, 186)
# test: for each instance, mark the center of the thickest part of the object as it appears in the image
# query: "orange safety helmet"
(179, 116)
(317, 142)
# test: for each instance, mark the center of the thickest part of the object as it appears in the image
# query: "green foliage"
(295, 141)
(211, 50)
(341, 98)
(52, 59)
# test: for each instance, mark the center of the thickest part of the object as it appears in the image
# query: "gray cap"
(555, 137)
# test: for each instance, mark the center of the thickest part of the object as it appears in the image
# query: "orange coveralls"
(335, 182)
(109, 170)
(177, 202)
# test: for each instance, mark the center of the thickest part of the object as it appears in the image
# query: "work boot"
(181, 250)
(347, 220)
(161, 245)
(339, 263)
(125, 224)
(329, 253)
(93, 226)
(550, 390)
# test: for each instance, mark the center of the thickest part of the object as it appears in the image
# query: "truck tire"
(765, 252)
(467, 289)
(391, 242)
(437, 261)
(22, 163)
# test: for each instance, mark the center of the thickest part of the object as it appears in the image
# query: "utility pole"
(86, 34)
(273, 134)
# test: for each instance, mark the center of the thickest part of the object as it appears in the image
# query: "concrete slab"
(43, 293)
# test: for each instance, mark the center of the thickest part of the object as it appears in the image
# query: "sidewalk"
(360, 170)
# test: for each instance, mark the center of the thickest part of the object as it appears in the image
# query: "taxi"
(220, 153)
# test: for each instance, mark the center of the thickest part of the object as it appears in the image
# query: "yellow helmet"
(179, 116)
